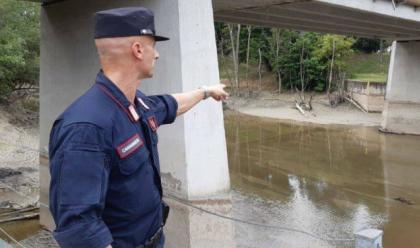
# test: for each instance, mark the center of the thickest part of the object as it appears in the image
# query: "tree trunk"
(331, 70)
(277, 57)
(302, 74)
(235, 52)
(279, 77)
(381, 51)
(238, 32)
(259, 69)
(290, 80)
(222, 52)
(247, 55)
(232, 43)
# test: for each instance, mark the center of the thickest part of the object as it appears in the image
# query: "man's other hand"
(217, 92)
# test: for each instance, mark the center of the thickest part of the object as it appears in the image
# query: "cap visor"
(160, 38)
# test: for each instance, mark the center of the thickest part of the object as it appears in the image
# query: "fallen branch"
(19, 211)
(355, 104)
(268, 99)
(22, 217)
(300, 109)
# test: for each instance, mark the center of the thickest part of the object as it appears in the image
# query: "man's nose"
(156, 54)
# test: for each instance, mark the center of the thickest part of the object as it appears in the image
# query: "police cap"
(123, 22)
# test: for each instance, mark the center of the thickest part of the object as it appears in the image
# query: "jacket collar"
(112, 88)
(112, 91)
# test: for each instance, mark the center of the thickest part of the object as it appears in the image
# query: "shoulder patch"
(152, 123)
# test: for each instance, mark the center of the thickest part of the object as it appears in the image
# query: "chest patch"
(129, 146)
(152, 123)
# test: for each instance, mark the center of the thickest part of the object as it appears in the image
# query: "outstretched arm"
(187, 100)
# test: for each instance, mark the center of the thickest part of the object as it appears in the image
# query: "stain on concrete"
(8, 172)
(170, 182)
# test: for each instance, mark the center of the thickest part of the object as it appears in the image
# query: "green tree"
(291, 55)
(332, 53)
(19, 45)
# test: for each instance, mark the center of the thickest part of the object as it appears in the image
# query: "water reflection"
(330, 180)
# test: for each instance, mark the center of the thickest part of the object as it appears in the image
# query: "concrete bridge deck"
(397, 20)
(365, 18)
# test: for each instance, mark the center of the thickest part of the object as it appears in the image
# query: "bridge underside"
(364, 18)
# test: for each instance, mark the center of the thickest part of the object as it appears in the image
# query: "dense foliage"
(19, 45)
(297, 59)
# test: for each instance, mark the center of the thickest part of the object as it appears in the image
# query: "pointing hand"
(217, 92)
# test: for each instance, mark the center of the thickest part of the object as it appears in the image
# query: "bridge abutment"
(402, 101)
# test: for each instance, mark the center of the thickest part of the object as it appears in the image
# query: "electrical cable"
(258, 224)
(10, 237)
(218, 215)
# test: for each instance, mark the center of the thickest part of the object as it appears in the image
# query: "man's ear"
(137, 50)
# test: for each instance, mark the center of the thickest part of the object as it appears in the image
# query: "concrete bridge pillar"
(193, 150)
(402, 101)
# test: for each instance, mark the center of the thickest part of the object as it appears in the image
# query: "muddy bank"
(277, 106)
(19, 178)
(19, 145)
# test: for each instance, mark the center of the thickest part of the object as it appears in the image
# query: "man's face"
(149, 55)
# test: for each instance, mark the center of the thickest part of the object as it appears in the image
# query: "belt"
(153, 241)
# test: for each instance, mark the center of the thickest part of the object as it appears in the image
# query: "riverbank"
(272, 105)
(19, 142)
(19, 172)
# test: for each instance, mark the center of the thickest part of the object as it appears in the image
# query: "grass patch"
(371, 77)
(369, 67)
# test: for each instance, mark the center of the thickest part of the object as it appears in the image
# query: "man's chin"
(150, 75)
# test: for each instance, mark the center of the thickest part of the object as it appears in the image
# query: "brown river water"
(331, 180)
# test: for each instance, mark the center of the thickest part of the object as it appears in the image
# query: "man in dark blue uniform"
(105, 186)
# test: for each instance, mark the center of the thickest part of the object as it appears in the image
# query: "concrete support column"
(194, 157)
(369, 238)
(192, 227)
(402, 102)
(193, 150)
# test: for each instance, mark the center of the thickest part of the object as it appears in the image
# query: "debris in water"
(404, 201)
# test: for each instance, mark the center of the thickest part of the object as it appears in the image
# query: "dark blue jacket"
(104, 165)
